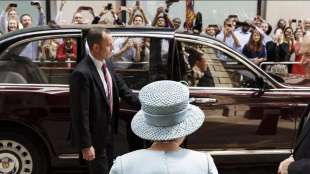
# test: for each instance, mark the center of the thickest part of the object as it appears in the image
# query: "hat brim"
(194, 119)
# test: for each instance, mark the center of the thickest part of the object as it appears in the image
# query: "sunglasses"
(229, 25)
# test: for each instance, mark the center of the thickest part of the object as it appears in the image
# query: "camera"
(171, 1)
(85, 8)
(68, 46)
(12, 5)
(34, 3)
(68, 50)
(108, 7)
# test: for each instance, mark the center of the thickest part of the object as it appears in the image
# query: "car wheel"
(21, 154)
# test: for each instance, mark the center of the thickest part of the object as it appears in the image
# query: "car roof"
(83, 27)
(9, 38)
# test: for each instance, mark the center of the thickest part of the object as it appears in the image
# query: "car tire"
(21, 153)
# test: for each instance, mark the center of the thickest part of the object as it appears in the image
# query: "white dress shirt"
(98, 65)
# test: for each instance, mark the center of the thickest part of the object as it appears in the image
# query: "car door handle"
(202, 100)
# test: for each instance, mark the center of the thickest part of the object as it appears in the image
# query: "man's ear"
(95, 47)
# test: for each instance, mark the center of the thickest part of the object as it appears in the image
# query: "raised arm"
(147, 21)
(3, 24)
(168, 20)
(158, 12)
(102, 12)
(132, 14)
(58, 17)
(3, 19)
(41, 18)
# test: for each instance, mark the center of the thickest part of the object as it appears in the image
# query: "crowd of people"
(254, 38)
(10, 21)
(165, 118)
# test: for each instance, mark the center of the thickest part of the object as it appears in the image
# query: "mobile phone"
(34, 3)
(12, 5)
(85, 8)
(109, 6)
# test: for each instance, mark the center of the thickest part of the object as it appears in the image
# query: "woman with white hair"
(166, 118)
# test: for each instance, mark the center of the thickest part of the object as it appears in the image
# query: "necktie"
(108, 81)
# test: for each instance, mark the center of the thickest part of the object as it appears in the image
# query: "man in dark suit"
(299, 162)
(94, 93)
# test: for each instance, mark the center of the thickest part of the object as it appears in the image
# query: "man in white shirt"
(243, 35)
(228, 36)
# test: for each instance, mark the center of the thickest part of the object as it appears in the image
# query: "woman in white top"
(166, 118)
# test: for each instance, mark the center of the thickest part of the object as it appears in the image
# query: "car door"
(36, 71)
(247, 115)
(140, 56)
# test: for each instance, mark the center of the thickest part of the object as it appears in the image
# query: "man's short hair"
(23, 15)
(213, 25)
(232, 16)
(226, 20)
(95, 36)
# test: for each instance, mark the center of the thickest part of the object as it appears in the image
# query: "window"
(208, 67)
(41, 61)
(230, 102)
(140, 60)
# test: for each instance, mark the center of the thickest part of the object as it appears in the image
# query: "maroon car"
(251, 115)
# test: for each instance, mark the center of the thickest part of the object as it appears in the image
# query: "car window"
(45, 61)
(140, 60)
(208, 67)
(289, 73)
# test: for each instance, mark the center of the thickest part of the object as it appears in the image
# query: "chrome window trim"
(64, 31)
(34, 85)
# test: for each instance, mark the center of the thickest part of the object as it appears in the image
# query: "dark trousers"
(103, 160)
(100, 164)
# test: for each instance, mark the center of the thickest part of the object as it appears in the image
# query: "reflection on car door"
(238, 115)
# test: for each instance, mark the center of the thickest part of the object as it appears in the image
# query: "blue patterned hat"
(166, 113)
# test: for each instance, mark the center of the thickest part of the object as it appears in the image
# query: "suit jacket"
(302, 148)
(91, 120)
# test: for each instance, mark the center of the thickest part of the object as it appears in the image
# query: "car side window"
(208, 67)
(45, 61)
(140, 60)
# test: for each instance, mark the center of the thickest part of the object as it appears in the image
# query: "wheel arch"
(29, 130)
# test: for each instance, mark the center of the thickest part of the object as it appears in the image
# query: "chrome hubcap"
(14, 158)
